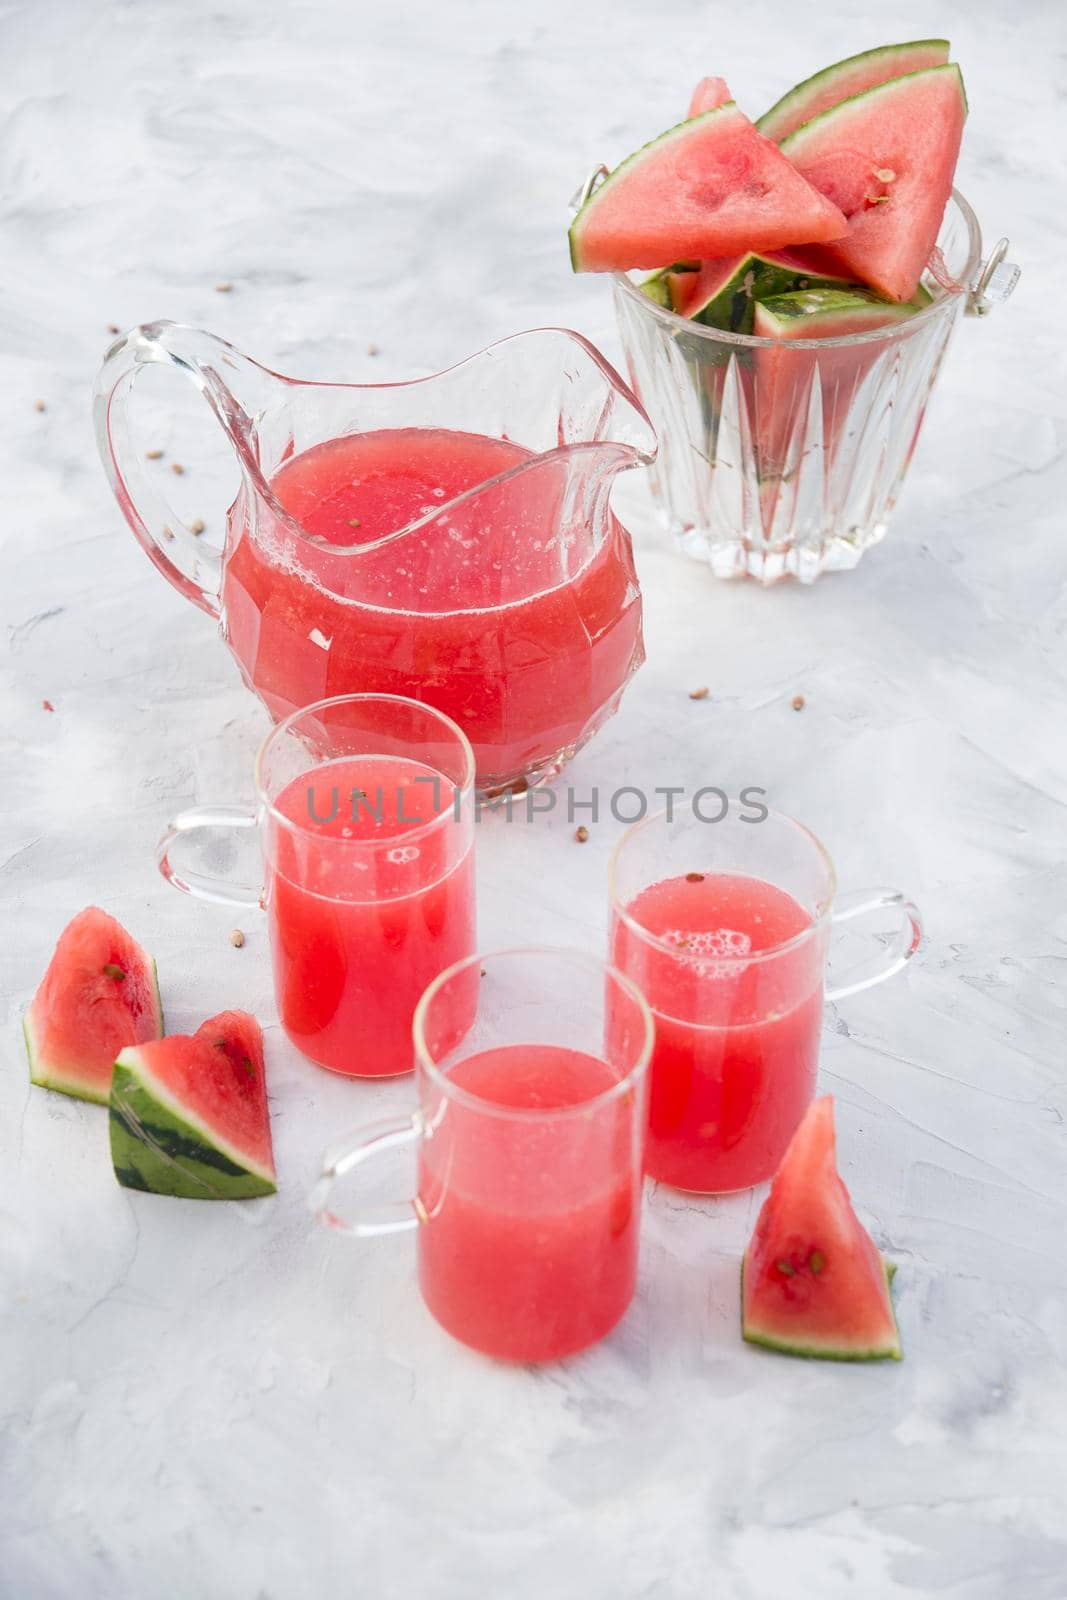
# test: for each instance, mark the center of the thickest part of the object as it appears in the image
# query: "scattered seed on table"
(373, 350)
(581, 834)
(699, 694)
(168, 533)
(39, 405)
(112, 327)
(153, 455)
(237, 938)
(223, 288)
(798, 702)
(177, 468)
(197, 526)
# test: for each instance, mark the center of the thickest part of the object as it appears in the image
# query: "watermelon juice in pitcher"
(448, 539)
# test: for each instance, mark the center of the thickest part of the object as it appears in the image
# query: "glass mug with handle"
(726, 930)
(366, 818)
(530, 1133)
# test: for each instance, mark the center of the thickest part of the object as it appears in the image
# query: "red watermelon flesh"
(855, 75)
(98, 995)
(709, 95)
(712, 186)
(887, 159)
(189, 1114)
(813, 1282)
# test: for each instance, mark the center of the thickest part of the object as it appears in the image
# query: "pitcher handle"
(899, 951)
(374, 1139)
(195, 569)
(217, 891)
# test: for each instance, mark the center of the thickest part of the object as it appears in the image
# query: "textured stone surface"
(219, 1401)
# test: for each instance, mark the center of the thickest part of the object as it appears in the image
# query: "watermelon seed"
(223, 288)
(798, 702)
(112, 327)
(816, 1261)
(46, 705)
(237, 938)
(355, 522)
(246, 1062)
(196, 527)
(581, 834)
(786, 1268)
(153, 455)
(39, 405)
(177, 468)
(113, 970)
(694, 877)
(699, 694)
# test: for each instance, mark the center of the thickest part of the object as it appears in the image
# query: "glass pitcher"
(449, 539)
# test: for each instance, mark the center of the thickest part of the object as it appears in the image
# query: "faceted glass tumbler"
(784, 458)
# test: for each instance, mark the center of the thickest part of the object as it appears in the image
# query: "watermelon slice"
(709, 95)
(827, 313)
(723, 293)
(812, 1281)
(855, 75)
(709, 187)
(98, 995)
(887, 159)
(189, 1114)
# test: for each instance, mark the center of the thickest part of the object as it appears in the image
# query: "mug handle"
(193, 567)
(199, 884)
(374, 1139)
(897, 954)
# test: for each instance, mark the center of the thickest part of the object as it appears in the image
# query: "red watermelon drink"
(480, 611)
(362, 919)
(529, 1255)
(366, 820)
(724, 926)
(737, 1042)
(530, 1132)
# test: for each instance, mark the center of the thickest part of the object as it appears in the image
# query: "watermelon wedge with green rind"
(709, 95)
(813, 1282)
(887, 159)
(189, 1115)
(723, 294)
(99, 994)
(712, 186)
(855, 75)
(822, 312)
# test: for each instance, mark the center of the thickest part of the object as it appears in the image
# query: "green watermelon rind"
(823, 1352)
(69, 1079)
(160, 1147)
(839, 303)
(823, 79)
(770, 278)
